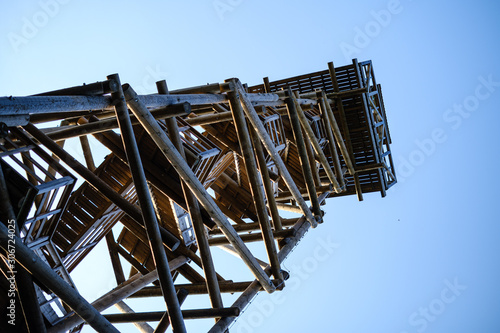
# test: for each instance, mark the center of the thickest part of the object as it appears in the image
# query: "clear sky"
(423, 259)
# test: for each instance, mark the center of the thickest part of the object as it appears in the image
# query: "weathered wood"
(371, 122)
(267, 86)
(195, 214)
(91, 89)
(213, 118)
(87, 153)
(317, 149)
(255, 181)
(148, 211)
(312, 161)
(253, 237)
(22, 106)
(24, 281)
(289, 208)
(164, 323)
(271, 201)
(188, 314)
(338, 135)
(269, 145)
(115, 260)
(224, 141)
(124, 290)
(212, 88)
(331, 143)
(286, 195)
(142, 327)
(248, 295)
(172, 242)
(303, 156)
(102, 125)
(349, 151)
(253, 226)
(131, 260)
(370, 167)
(29, 260)
(187, 175)
(197, 288)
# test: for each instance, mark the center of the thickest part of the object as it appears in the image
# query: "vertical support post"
(317, 149)
(331, 140)
(269, 145)
(271, 202)
(186, 174)
(352, 171)
(87, 153)
(24, 281)
(338, 135)
(253, 178)
(303, 156)
(195, 214)
(147, 208)
(267, 85)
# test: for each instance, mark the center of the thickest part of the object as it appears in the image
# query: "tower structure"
(218, 165)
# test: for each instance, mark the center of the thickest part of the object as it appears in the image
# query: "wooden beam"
(87, 153)
(253, 226)
(131, 260)
(255, 181)
(187, 175)
(23, 280)
(91, 89)
(289, 208)
(148, 211)
(29, 260)
(312, 161)
(348, 149)
(269, 145)
(164, 323)
(331, 142)
(303, 156)
(142, 327)
(338, 135)
(188, 314)
(268, 188)
(253, 237)
(213, 118)
(115, 259)
(195, 214)
(196, 288)
(17, 108)
(212, 88)
(248, 295)
(131, 210)
(317, 149)
(124, 290)
(103, 125)
(370, 123)
(286, 195)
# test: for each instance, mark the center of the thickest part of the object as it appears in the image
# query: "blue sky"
(423, 259)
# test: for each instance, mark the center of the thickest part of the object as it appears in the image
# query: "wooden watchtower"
(218, 165)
